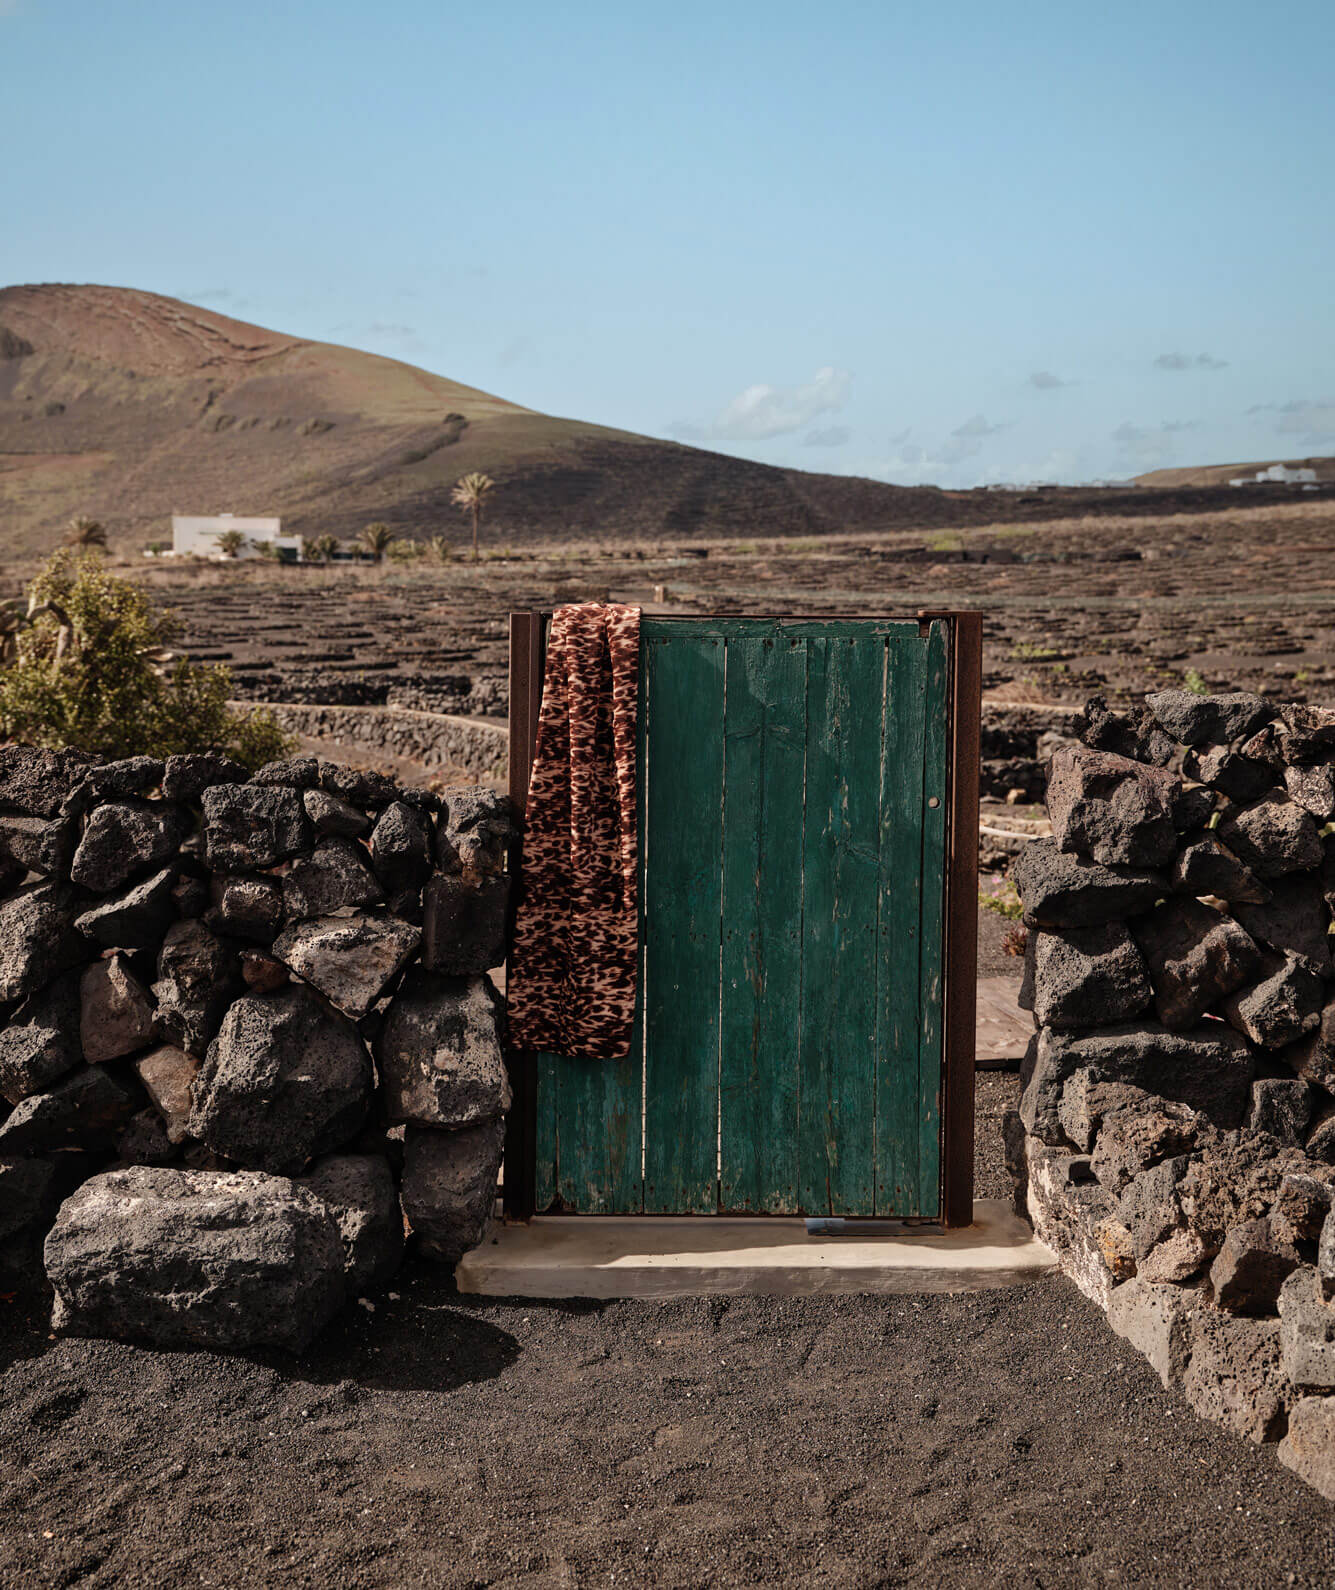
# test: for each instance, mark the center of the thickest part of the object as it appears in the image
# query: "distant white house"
(1277, 474)
(196, 536)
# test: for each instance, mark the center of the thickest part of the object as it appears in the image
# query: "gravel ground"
(1002, 1439)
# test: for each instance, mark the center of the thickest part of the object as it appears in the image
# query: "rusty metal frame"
(965, 657)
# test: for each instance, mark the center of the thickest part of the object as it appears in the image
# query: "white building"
(196, 536)
(1277, 474)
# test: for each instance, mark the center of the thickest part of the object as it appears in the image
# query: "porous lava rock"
(1294, 921)
(248, 827)
(439, 1052)
(198, 976)
(86, 1109)
(38, 939)
(136, 918)
(1209, 1068)
(40, 1042)
(351, 960)
(333, 877)
(30, 1193)
(246, 908)
(125, 839)
(195, 1258)
(1235, 1377)
(38, 781)
(1279, 1009)
(1251, 1267)
(464, 923)
(449, 1186)
(1196, 955)
(1084, 977)
(1273, 836)
(168, 1075)
(1281, 1107)
(1197, 719)
(402, 854)
(286, 1079)
(1116, 811)
(1207, 867)
(1062, 890)
(361, 1191)
(186, 777)
(1307, 1330)
(116, 1015)
(331, 817)
(43, 845)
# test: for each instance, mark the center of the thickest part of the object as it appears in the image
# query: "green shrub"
(87, 666)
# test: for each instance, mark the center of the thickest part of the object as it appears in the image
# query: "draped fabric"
(571, 980)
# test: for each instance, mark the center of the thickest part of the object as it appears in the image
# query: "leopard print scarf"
(571, 986)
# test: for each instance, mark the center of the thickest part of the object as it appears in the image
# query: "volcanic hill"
(130, 406)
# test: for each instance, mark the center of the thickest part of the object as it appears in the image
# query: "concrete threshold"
(607, 1256)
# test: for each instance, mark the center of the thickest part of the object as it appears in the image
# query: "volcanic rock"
(1281, 1008)
(87, 1109)
(331, 817)
(116, 1014)
(1250, 1268)
(168, 1075)
(360, 1190)
(185, 778)
(464, 923)
(286, 1079)
(1060, 890)
(1196, 955)
(351, 960)
(1273, 837)
(192, 1258)
(439, 1052)
(43, 845)
(248, 827)
(1196, 720)
(136, 918)
(124, 840)
(40, 1041)
(38, 781)
(1084, 977)
(247, 908)
(1116, 811)
(449, 1186)
(38, 939)
(198, 977)
(334, 876)
(1206, 867)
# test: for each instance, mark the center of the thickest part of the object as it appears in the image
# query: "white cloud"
(1045, 381)
(831, 436)
(762, 411)
(1149, 446)
(1313, 420)
(1185, 361)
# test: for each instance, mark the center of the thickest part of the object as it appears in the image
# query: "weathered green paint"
(681, 879)
(764, 739)
(933, 923)
(841, 879)
(791, 894)
(898, 926)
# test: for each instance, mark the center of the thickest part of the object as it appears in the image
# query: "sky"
(953, 242)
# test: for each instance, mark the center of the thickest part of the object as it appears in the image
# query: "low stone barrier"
(1175, 1141)
(435, 739)
(246, 1028)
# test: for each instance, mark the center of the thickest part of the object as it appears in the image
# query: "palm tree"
(86, 533)
(230, 543)
(405, 551)
(440, 548)
(376, 539)
(324, 548)
(470, 493)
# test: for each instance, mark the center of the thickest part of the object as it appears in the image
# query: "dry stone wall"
(1175, 1140)
(245, 1026)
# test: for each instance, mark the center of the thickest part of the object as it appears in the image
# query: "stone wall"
(246, 1027)
(432, 739)
(1175, 1141)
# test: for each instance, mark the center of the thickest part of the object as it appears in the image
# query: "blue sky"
(956, 242)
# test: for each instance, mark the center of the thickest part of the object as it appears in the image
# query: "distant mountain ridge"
(131, 406)
(1221, 474)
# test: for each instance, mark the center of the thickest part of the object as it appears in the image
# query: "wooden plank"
(683, 829)
(898, 929)
(598, 1131)
(842, 853)
(962, 925)
(932, 962)
(764, 734)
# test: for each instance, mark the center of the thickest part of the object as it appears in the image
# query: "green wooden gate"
(788, 1047)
